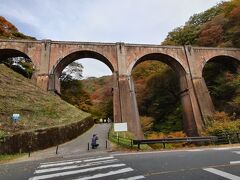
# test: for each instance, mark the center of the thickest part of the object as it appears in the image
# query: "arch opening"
(222, 77)
(170, 61)
(80, 55)
(86, 91)
(17, 61)
(160, 83)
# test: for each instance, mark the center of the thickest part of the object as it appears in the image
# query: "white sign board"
(118, 127)
(15, 117)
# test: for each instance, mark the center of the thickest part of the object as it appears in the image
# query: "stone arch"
(227, 59)
(54, 82)
(169, 60)
(79, 55)
(9, 53)
(13, 53)
(229, 62)
(189, 122)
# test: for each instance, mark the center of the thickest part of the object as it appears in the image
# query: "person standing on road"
(94, 141)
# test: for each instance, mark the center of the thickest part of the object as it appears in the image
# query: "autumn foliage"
(9, 31)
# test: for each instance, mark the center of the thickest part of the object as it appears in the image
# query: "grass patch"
(123, 141)
(37, 108)
(9, 157)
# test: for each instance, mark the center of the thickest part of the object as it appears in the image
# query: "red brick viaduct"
(51, 57)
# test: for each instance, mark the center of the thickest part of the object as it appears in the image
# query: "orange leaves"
(210, 35)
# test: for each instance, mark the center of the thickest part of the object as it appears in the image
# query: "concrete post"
(200, 91)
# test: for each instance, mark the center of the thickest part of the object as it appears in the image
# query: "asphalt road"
(75, 162)
(197, 164)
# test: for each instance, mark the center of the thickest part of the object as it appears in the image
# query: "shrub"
(222, 123)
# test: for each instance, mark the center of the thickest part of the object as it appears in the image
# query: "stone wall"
(44, 138)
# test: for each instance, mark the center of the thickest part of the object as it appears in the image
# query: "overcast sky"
(130, 21)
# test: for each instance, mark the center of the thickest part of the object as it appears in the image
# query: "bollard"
(229, 141)
(88, 147)
(238, 137)
(29, 151)
(57, 149)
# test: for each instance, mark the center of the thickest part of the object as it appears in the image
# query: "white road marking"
(97, 159)
(59, 164)
(234, 162)
(73, 166)
(120, 171)
(195, 150)
(172, 151)
(133, 178)
(54, 162)
(222, 174)
(75, 172)
(222, 148)
(237, 152)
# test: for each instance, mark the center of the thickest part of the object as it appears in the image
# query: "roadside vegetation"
(4, 158)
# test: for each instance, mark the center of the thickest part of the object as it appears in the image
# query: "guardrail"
(222, 138)
(228, 138)
(209, 139)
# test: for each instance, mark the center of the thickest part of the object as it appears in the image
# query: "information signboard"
(120, 127)
(15, 117)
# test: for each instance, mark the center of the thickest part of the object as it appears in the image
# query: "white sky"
(129, 21)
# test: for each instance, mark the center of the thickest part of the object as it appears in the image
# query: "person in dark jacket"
(94, 142)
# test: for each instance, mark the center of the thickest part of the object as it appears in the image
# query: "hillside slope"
(37, 108)
(9, 31)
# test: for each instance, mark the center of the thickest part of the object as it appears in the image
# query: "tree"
(72, 71)
(72, 89)
(21, 65)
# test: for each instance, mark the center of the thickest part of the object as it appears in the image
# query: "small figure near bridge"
(94, 141)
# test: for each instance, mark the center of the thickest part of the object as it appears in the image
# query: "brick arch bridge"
(51, 57)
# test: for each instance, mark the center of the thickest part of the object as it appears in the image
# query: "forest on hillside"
(160, 107)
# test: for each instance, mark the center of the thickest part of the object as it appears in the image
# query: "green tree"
(72, 89)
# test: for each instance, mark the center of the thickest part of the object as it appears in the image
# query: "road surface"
(75, 162)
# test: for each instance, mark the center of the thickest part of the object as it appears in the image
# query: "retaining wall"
(44, 138)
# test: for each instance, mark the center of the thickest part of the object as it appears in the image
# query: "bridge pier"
(128, 108)
(192, 120)
(42, 81)
(200, 90)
